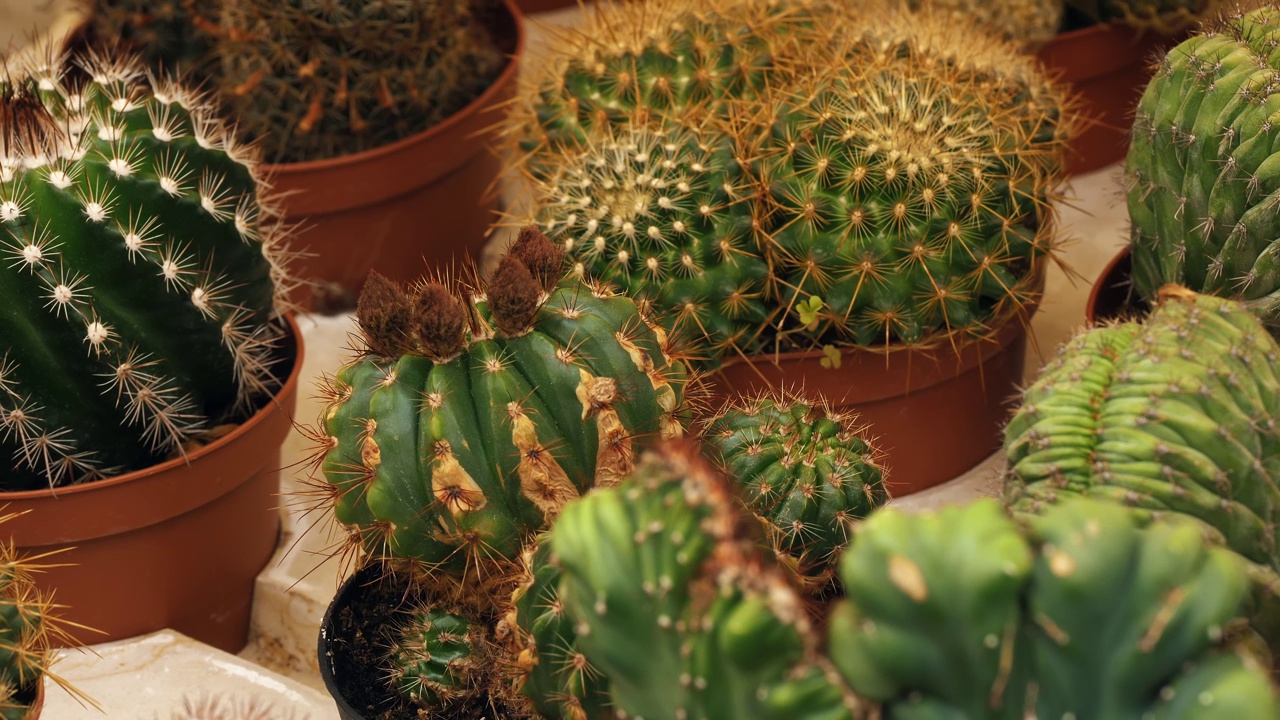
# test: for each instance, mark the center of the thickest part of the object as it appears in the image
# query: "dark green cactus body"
(675, 641)
(1082, 615)
(435, 657)
(137, 283)
(807, 473)
(448, 461)
(168, 35)
(555, 674)
(1176, 414)
(665, 217)
(1202, 170)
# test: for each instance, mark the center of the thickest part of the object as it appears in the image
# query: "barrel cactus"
(1176, 414)
(140, 276)
(1200, 168)
(808, 474)
(318, 83)
(470, 420)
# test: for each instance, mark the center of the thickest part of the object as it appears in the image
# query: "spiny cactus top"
(1201, 166)
(317, 82)
(1173, 415)
(808, 474)
(469, 423)
(139, 277)
(1030, 23)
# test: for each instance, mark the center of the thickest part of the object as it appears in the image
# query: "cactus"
(1173, 415)
(1200, 168)
(354, 76)
(891, 222)
(1163, 16)
(167, 35)
(1080, 615)
(808, 474)
(468, 424)
(1030, 23)
(141, 278)
(437, 656)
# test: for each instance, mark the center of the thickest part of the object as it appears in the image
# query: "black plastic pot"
(1113, 296)
(333, 652)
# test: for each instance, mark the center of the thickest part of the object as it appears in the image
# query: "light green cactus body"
(139, 283)
(469, 424)
(437, 652)
(808, 473)
(1177, 414)
(555, 674)
(1202, 168)
(680, 635)
(664, 217)
(963, 614)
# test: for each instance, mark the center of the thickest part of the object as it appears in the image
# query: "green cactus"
(436, 656)
(1173, 415)
(1201, 169)
(1030, 23)
(1164, 16)
(467, 425)
(168, 36)
(963, 614)
(808, 473)
(672, 604)
(140, 278)
(317, 84)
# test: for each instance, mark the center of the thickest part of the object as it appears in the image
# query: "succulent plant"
(1200, 167)
(1174, 415)
(840, 212)
(469, 422)
(1164, 16)
(438, 656)
(318, 82)
(963, 613)
(1030, 23)
(167, 35)
(141, 276)
(807, 473)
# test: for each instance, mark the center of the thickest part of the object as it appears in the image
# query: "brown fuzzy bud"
(514, 296)
(441, 322)
(384, 315)
(544, 258)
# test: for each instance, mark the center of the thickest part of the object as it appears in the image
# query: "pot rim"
(37, 525)
(1099, 284)
(479, 104)
(341, 599)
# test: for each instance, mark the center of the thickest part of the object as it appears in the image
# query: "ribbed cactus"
(1082, 615)
(1201, 167)
(1165, 16)
(317, 82)
(470, 421)
(167, 35)
(438, 655)
(1173, 415)
(808, 473)
(139, 276)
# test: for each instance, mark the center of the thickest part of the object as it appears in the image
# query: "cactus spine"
(1201, 168)
(141, 274)
(438, 653)
(355, 76)
(167, 35)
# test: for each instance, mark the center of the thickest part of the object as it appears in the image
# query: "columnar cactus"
(808, 473)
(353, 76)
(1173, 415)
(1200, 167)
(139, 276)
(470, 421)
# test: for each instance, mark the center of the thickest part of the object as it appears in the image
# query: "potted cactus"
(887, 260)
(147, 367)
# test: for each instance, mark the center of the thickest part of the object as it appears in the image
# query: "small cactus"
(438, 653)
(142, 277)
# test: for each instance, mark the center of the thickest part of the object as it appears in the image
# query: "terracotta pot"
(1113, 295)
(1108, 67)
(330, 649)
(177, 545)
(426, 200)
(936, 412)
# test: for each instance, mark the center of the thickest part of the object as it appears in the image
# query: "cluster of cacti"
(352, 76)
(893, 188)
(141, 278)
(1164, 16)
(1176, 414)
(806, 472)
(168, 35)
(1201, 167)
(964, 613)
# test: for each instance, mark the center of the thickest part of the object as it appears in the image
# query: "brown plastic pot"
(1113, 296)
(177, 545)
(1107, 67)
(935, 412)
(429, 198)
